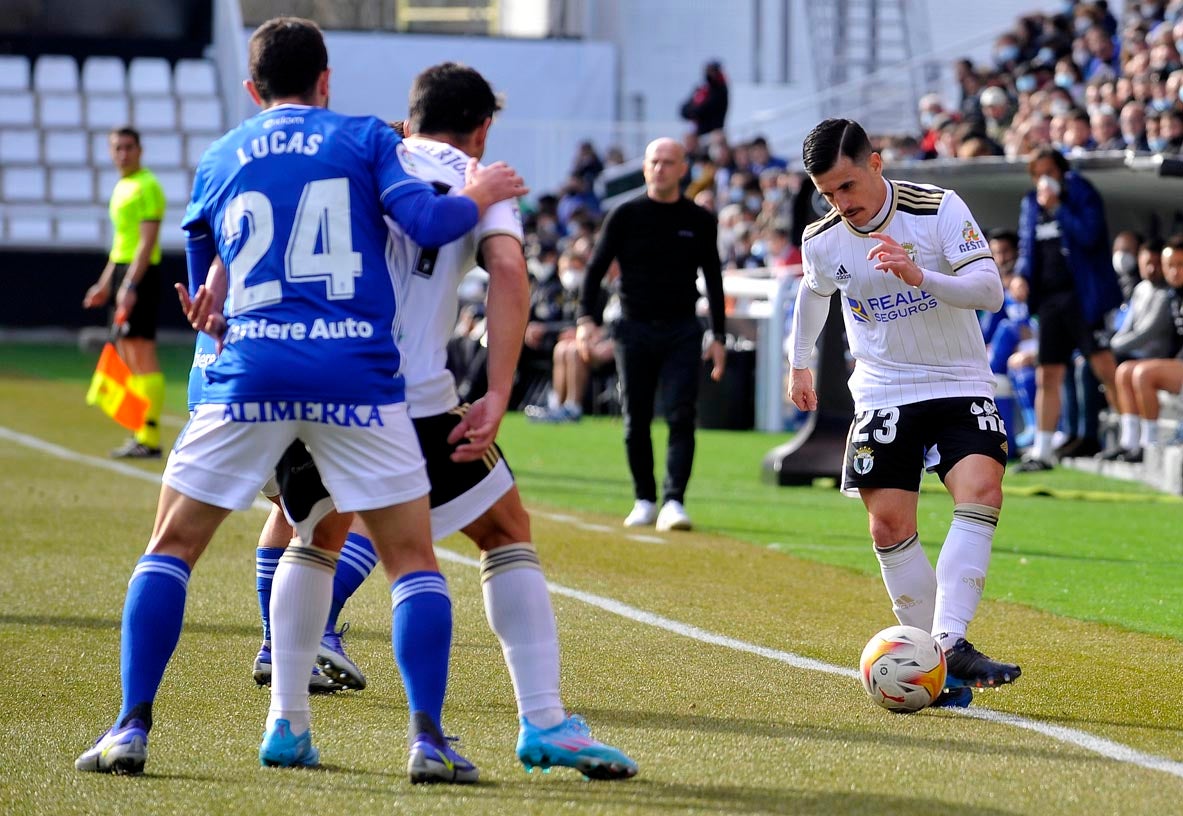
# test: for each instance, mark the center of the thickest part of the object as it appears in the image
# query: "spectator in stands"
(1104, 54)
(1139, 381)
(1065, 273)
(996, 112)
(1078, 133)
(661, 241)
(1106, 133)
(761, 157)
(587, 163)
(132, 275)
(1127, 245)
(1171, 130)
(577, 198)
(1133, 126)
(1146, 330)
(930, 107)
(613, 157)
(1003, 331)
(707, 105)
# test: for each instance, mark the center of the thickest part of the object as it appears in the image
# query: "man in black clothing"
(660, 240)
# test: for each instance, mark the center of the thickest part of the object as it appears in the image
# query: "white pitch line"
(645, 539)
(1070, 736)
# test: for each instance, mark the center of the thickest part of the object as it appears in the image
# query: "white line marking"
(595, 528)
(1072, 736)
(645, 539)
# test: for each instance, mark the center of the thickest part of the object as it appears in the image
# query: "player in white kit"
(911, 265)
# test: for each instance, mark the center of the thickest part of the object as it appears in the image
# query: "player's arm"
(591, 309)
(507, 309)
(97, 295)
(712, 275)
(809, 318)
(1082, 217)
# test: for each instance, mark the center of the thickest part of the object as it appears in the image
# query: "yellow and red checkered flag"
(111, 393)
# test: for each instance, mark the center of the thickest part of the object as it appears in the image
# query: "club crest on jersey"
(971, 238)
(858, 311)
(863, 461)
(910, 248)
(404, 157)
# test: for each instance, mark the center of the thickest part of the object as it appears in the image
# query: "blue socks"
(357, 561)
(266, 559)
(152, 616)
(421, 634)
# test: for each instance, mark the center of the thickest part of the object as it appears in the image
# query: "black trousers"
(668, 353)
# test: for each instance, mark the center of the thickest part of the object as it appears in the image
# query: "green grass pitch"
(680, 648)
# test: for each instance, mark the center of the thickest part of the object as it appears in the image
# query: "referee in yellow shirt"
(132, 273)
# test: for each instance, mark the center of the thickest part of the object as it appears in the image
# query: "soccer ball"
(903, 669)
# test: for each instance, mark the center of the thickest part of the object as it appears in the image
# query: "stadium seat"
(71, 185)
(154, 113)
(105, 179)
(24, 184)
(20, 147)
(59, 110)
(14, 73)
(162, 150)
(66, 148)
(16, 109)
(149, 76)
(177, 184)
(29, 229)
(106, 111)
(195, 77)
(201, 114)
(56, 74)
(79, 228)
(104, 75)
(196, 144)
(171, 234)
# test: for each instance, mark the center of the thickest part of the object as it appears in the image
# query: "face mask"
(776, 196)
(758, 249)
(1025, 84)
(1082, 25)
(1179, 46)
(1158, 144)
(1006, 53)
(1065, 80)
(1150, 9)
(735, 195)
(1124, 263)
(1129, 138)
(753, 202)
(1059, 107)
(541, 271)
(572, 279)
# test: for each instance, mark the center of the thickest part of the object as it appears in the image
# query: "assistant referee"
(661, 241)
(132, 275)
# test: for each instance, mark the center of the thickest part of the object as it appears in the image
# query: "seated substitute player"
(910, 265)
(308, 356)
(472, 489)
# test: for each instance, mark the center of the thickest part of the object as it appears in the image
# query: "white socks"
(1131, 424)
(961, 570)
(1043, 448)
(911, 582)
(1149, 437)
(300, 598)
(517, 604)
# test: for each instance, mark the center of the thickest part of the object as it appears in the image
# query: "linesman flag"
(109, 390)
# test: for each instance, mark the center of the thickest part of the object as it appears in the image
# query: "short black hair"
(450, 98)
(1175, 242)
(831, 140)
(1049, 153)
(125, 130)
(1003, 234)
(286, 56)
(1152, 244)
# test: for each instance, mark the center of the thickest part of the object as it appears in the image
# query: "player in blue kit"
(293, 202)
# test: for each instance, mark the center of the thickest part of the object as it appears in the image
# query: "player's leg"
(186, 519)
(972, 462)
(680, 371)
(638, 364)
(1150, 377)
(1127, 408)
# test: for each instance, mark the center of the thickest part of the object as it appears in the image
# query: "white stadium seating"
(17, 109)
(105, 180)
(104, 75)
(55, 73)
(14, 73)
(106, 111)
(66, 148)
(79, 227)
(202, 114)
(193, 78)
(177, 184)
(149, 76)
(196, 144)
(29, 229)
(20, 146)
(24, 184)
(162, 150)
(71, 185)
(59, 110)
(154, 112)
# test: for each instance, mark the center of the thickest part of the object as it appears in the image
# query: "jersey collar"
(882, 218)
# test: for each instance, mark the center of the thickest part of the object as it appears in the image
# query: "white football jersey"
(427, 300)
(907, 345)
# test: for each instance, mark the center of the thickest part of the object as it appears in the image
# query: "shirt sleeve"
(152, 201)
(503, 218)
(960, 236)
(814, 274)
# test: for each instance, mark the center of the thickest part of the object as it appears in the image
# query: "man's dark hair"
(832, 139)
(286, 56)
(450, 98)
(1153, 244)
(1175, 242)
(1049, 153)
(1003, 234)
(126, 130)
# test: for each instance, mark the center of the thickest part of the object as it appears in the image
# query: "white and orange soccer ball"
(903, 669)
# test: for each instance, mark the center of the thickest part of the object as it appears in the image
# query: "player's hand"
(535, 332)
(801, 389)
(488, 185)
(198, 313)
(716, 352)
(1047, 194)
(125, 301)
(587, 335)
(477, 429)
(893, 258)
(96, 296)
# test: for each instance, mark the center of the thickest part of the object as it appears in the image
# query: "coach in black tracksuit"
(661, 240)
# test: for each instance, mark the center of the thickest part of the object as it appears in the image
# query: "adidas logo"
(841, 274)
(905, 602)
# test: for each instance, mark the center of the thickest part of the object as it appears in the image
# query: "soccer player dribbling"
(911, 266)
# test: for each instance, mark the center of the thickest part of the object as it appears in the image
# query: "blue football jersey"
(294, 199)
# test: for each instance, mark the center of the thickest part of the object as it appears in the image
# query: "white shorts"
(368, 457)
